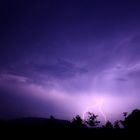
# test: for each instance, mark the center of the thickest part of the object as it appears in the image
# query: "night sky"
(67, 57)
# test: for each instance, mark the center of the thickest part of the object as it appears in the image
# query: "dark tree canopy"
(116, 124)
(108, 125)
(77, 122)
(92, 120)
(132, 120)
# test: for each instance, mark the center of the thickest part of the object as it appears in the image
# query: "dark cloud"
(14, 104)
(121, 79)
(134, 74)
(61, 69)
(18, 101)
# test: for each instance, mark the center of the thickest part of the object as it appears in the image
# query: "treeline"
(130, 121)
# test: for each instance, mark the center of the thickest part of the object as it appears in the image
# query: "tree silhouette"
(108, 125)
(132, 120)
(51, 122)
(92, 120)
(116, 124)
(125, 114)
(77, 122)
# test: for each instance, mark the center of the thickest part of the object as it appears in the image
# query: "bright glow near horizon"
(107, 105)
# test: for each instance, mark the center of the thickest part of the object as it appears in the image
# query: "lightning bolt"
(101, 111)
(88, 109)
(99, 105)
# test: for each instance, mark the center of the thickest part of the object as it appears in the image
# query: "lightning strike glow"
(99, 105)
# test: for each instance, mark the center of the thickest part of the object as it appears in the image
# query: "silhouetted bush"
(77, 122)
(132, 120)
(116, 124)
(92, 120)
(108, 125)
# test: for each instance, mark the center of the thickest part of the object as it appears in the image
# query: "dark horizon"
(67, 57)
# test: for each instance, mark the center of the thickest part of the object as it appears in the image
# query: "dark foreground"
(43, 128)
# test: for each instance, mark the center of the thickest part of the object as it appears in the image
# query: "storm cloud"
(66, 53)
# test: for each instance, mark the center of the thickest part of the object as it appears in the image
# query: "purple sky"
(65, 57)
